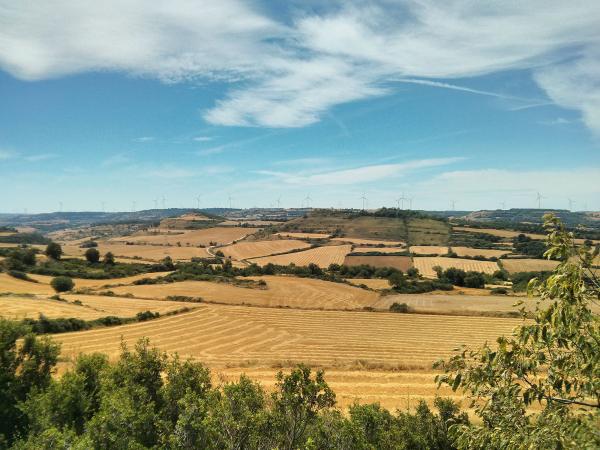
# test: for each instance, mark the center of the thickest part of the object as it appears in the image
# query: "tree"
(62, 284)
(553, 360)
(474, 280)
(109, 259)
(54, 250)
(92, 255)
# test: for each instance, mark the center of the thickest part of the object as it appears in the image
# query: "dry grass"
(254, 223)
(368, 241)
(453, 304)
(87, 283)
(16, 286)
(15, 307)
(237, 336)
(373, 283)
(425, 264)
(428, 249)
(378, 249)
(500, 233)
(255, 249)
(129, 253)
(321, 256)
(220, 235)
(488, 253)
(399, 262)
(303, 235)
(513, 265)
(281, 291)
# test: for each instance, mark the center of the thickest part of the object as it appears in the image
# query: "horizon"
(254, 103)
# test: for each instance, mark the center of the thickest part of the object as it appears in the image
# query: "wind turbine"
(198, 201)
(103, 206)
(307, 199)
(156, 203)
(453, 203)
(230, 200)
(164, 202)
(503, 205)
(539, 198)
(279, 202)
(410, 203)
(571, 203)
(364, 201)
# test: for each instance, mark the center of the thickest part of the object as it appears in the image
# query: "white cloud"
(202, 138)
(211, 151)
(290, 75)
(118, 159)
(144, 139)
(41, 157)
(358, 175)
(5, 154)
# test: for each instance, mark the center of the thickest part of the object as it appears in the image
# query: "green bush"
(62, 284)
(92, 255)
(399, 308)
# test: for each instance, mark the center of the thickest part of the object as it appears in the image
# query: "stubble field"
(255, 249)
(321, 256)
(425, 264)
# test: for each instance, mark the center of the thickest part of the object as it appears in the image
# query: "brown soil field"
(238, 336)
(378, 249)
(15, 307)
(16, 286)
(425, 264)
(87, 283)
(303, 235)
(399, 262)
(513, 265)
(220, 235)
(144, 252)
(368, 241)
(488, 253)
(321, 256)
(428, 249)
(373, 283)
(281, 291)
(255, 249)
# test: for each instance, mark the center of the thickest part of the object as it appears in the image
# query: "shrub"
(54, 251)
(21, 275)
(399, 308)
(109, 259)
(474, 280)
(88, 244)
(62, 284)
(499, 291)
(92, 255)
(146, 315)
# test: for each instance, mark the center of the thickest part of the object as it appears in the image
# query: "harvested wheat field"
(500, 233)
(428, 249)
(398, 262)
(321, 256)
(220, 235)
(372, 283)
(425, 264)
(372, 242)
(487, 253)
(142, 252)
(378, 249)
(281, 291)
(255, 249)
(513, 265)
(17, 286)
(93, 307)
(222, 335)
(252, 223)
(303, 235)
(87, 283)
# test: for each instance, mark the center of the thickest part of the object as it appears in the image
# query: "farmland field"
(428, 232)
(17, 286)
(425, 264)
(143, 252)
(500, 233)
(254, 249)
(428, 249)
(16, 307)
(88, 283)
(488, 253)
(220, 235)
(362, 227)
(281, 291)
(373, 283)
(321, 256)
(399, 262)
(378, 249)
(236, 336)
(513, 265)
(373, 242)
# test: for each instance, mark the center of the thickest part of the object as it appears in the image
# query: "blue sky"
(103, 104)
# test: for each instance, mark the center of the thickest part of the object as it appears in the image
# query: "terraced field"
(513, 265)
(425, 264)
(93, 307)
(399, 262)
(280, 292)
(238, 336)
(488, 253)
(321, 256)
(220, 235)
(255, 249)
(428, 249)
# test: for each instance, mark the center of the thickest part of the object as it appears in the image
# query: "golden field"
(321, 256)
(425, 264)
(254, 249)
(220, 235)
(398, 262)
(372, 283)
(488, 253)
(303, 235)
(281, 291)
(512, 265)
(378, 249)
(131, 253)
(237, 336)
(428, 249)
(373, 242)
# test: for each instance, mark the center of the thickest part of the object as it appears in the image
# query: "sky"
(128, 104)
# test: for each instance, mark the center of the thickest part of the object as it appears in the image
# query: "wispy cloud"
(211, 151)
(302, 162)
(358, 175)
(118, 159)
(202, 138)
(557, 121)
(41, 157)
(5, 154)
(144, 139)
